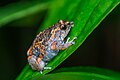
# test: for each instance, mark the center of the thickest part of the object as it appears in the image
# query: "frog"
(48, 43)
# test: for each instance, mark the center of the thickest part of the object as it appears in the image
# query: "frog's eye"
(61, 21)
(63, 27)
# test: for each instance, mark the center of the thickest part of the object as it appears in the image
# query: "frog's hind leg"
(32, 62)
(67, 43)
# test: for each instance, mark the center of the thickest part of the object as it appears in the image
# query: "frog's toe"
(74, 38)
(41, 72)
(68, 39)
(47, 68)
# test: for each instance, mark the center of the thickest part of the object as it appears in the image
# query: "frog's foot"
(67, 43)
(47, 68)
(71, 41)
(41, 71)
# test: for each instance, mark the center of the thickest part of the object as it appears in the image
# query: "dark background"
(100, 49)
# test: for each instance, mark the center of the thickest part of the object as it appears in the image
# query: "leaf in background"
(19, 10)
(80, 73)
(86, 14)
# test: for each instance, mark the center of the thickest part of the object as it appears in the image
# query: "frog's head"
(65, 27)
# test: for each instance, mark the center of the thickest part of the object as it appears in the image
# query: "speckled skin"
(48, 43)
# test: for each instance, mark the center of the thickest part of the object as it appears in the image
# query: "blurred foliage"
(19, 10)
(79, 73)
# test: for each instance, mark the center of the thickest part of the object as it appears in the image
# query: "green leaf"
(19, 10)
(80, 73)
(86, 14)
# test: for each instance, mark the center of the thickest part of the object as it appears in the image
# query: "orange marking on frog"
(53, 46)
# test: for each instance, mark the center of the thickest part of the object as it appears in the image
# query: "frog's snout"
(72, 24)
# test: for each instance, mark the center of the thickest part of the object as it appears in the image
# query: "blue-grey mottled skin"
(48, 43)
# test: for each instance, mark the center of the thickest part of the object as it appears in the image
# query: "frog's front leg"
(67, 43)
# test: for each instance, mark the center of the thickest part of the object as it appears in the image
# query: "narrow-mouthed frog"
(48, 43)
